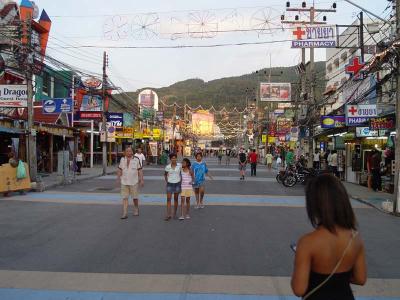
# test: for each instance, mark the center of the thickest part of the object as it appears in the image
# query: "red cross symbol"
(352, 110)
(354, 67)
(299, 33)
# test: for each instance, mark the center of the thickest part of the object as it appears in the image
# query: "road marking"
(60, 285)
(216, 178)
(159, 199)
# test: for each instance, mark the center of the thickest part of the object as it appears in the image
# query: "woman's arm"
(302, 267)
(359, 275)
(166, 176)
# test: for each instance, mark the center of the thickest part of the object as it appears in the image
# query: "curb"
(373, 206)
(42, 188)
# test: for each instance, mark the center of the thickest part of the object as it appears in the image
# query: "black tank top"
(336, 288)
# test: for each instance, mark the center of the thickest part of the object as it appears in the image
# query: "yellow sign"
(138, 135)
(156, 132)
(271, 139)
(128, 132)
(264, 138)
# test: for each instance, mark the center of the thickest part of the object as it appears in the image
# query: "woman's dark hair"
(173, 155)
(328, 204)
(199, 153)
(188, 163)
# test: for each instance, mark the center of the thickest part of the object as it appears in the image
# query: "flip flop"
(124, 217)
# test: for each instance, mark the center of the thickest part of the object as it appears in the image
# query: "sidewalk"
(52, 180)
(371, 198)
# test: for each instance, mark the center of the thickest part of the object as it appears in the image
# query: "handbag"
(308, 295)
(21, 172)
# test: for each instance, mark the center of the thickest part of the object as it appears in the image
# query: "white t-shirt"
(141, 157)
(79, 157)
(174, 175)
(334, 160)
(316, 157)
(130, 174)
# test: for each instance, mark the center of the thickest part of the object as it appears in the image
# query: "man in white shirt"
(316, 160)
(140, 156)
(334, 163)
(130, 175)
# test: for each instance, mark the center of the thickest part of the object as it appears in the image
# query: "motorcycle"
(299, 174)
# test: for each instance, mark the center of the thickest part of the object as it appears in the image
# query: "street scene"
(199, 150)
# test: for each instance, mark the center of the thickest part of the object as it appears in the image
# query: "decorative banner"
(382, 123)
(13, 96)
(360, 114)
(275, 92)
(57, 106)
(366, 132)
(314, 36)
(148, 99)
(92, 103)
(333, 121)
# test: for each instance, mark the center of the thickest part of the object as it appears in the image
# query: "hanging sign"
(315, 36)
(360, 114)
(13, 95)
(382, 123)
(333, 121)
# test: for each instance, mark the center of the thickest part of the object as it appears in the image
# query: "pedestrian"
(242, 163)
(79, 162)
(329, 161)
(253, 158)
(173, 178)
(376, 170)
(268, 159)
(369, 170)
(187, 181)
(289, 159)
(331, 257)
(279, 162)
(228, 156)
(316, 160)
(220, 155)
(130, 175)
(139, 154)
(200, 171)
(334, 163)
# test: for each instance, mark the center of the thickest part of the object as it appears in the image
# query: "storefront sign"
(333, 121)
(156, 133)
(90, 115)
(92, 103)
(360, 114)
(116, 119)
(382, 123)
(160, 116)
(318, 36)
(279, 111)
(283, 126)
(275, 92)
(13, 96)
(128, 132)
(57, 106)
(366, 132)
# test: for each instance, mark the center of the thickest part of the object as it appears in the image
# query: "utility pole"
(104, 123)
(32, 158)
(396, 205)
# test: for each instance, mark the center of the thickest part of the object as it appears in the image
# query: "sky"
(172, 23)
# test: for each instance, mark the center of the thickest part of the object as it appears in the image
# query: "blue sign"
(356, 121)
(115, 119)
(57, 106)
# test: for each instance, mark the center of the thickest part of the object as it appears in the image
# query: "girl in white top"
(186, 193)
(173, 179)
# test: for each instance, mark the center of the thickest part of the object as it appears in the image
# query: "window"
(46, 83)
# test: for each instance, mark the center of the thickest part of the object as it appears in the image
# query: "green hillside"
(230, 91)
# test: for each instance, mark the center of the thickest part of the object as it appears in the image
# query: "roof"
(26, 3)
(44, 16)
(39, 116)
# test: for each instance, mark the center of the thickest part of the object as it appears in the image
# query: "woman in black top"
(331, 257)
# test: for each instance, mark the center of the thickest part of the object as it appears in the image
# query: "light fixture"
(296, 17)
(288, 4)
(303, 4)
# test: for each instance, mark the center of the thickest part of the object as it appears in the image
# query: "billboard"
(314, 36)
(13, 95)
(92, 103)
(148, 99)
(275, 92)
(203, 123)
(333, 121)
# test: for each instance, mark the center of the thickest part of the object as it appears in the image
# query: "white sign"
(361, 111)
(13, 96)
(314, 36)
(366, 132)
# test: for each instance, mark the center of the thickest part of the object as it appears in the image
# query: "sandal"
(124, 217)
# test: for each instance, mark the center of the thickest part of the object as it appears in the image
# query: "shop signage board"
(314, 36)
(92, 103)
(87, 115)
(382, 123)
(360, 114)
(160, 116)
(57, 106)
(283, 126)
(333, 121)
(116, 119)
(13, 95)
(111, 133)
(279, 111)
(275, 92)
(366, 132)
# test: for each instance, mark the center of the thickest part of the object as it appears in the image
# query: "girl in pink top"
(187, 180)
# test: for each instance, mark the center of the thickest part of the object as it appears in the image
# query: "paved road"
(71, 239)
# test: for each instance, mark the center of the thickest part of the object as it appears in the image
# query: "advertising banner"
(57, 106)
(148, 99)
(92, 103)
(382, 123)
(314, 36)
(333, 121)
(13, 96)
(275, 92)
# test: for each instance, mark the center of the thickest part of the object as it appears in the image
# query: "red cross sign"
(354, 67)
(352, 110)
(299, 33)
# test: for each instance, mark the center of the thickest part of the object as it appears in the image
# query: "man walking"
(130, 175)
(220, 155)
(242, 163)
(316, 160)
(228, 157)
(376, 170)
(253, 158)
(139, 154)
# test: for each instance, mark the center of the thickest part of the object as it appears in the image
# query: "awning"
(11, 130)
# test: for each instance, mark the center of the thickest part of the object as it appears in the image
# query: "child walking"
(200, 171)
(187, 180)
(173, 179)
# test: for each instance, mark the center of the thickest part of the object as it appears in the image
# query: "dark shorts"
(198, 185)
(174, 188)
